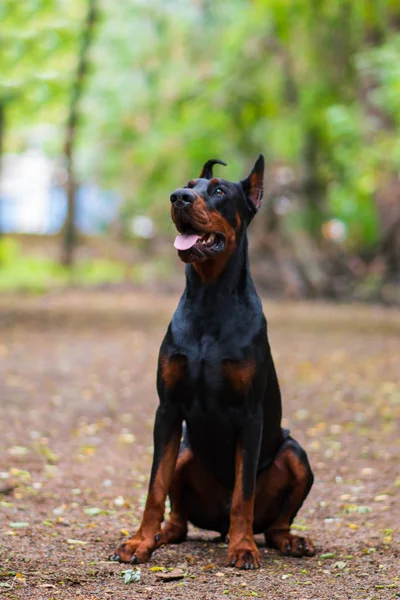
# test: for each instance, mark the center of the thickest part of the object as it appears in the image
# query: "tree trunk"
(69, 233)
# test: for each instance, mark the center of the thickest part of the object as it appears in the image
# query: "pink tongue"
(185, 241)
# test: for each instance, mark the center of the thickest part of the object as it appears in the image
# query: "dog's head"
(211, 213)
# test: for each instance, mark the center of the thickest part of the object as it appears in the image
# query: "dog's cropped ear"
(207, 170)
(253, 185)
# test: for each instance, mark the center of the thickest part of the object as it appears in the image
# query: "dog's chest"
(214, 362)
(214, 376)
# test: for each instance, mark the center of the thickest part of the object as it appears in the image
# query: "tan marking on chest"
(240, 375)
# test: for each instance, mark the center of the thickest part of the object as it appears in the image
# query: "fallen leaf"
(368, 550)
(92, 511)
(18, 451)
(328, 555)
(171, 575)
(363, 510)
(126, 437)
(71, 541)
(120, 501)
(388, 539)
(43, 449)
(131, 575)
(381, 498)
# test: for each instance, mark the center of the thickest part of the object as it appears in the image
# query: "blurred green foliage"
(313, 84)
(38, 54)
(38, 273)
(38, 270)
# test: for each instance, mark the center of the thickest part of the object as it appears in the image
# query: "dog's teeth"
(211, 237)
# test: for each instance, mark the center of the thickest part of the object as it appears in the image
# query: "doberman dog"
(219, 449)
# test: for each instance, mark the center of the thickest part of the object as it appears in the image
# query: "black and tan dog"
(234, 470)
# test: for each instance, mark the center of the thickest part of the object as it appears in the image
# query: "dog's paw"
(137, 549)
(291, 545)
(244, 555)
(173, 533)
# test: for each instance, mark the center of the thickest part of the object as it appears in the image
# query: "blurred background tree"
(40, 41)
(313, 84)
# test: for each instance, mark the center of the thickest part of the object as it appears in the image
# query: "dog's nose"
(182, 197)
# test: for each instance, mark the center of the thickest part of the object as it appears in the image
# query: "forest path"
(77, 402)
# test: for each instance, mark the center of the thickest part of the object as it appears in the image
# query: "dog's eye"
(219, 191)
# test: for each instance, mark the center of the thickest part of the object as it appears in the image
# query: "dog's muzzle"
(182, 198)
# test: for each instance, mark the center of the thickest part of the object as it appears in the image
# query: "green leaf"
(92, 511)
(131, 575)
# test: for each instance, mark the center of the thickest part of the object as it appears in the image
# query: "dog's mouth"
(193, 245)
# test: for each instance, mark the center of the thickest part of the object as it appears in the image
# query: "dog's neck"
(234, 278)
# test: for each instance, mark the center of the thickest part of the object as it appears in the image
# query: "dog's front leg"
(167, 436)
(242, 549)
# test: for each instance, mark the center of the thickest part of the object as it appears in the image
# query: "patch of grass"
(37, 274)
(99, 271)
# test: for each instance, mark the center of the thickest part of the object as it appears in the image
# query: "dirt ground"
(77, 399)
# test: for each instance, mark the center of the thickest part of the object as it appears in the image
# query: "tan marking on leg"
(146, 539)
(242, 549)
(172, 369)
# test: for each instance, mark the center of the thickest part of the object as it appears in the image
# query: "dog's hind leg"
(281, 491)
(197, 497)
